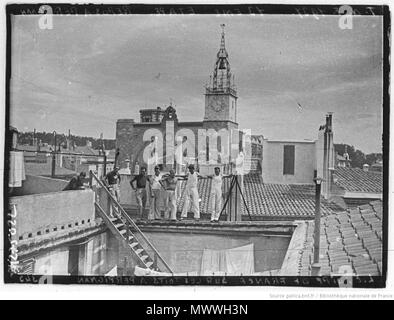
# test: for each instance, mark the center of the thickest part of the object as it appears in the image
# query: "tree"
(48, 137)
(357, 157)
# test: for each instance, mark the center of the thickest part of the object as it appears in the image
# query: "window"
(288, 159)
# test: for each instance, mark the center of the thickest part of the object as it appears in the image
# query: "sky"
(89, 71)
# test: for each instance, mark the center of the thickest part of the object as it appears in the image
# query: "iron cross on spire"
(222, 42)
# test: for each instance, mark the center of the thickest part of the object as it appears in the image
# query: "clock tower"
(220, 94)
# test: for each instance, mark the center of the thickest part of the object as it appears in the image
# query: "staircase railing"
(113, 206)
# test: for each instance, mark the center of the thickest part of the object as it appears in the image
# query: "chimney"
(34, 138)
(346, 156)
(328, 156)
(89, 143)
(366, 167)
(68, 140)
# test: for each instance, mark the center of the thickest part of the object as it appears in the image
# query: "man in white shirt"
(155, 191)
(216, 194)
(192, 197)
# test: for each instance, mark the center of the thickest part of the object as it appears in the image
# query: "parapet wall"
(40, 214)
(38, 185)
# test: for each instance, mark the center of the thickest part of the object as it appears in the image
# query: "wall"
(96, 256)
(52, 263)
(272, 165)
(183, 251)
(38, 185)
(129, 136)
(40, 212)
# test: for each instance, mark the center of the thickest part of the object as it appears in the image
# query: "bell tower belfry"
(221, 93)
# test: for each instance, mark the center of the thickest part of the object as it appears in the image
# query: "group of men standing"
(161, 185)
(169, 183)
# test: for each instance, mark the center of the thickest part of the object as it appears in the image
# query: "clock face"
(217, 104)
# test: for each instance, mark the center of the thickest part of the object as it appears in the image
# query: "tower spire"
(222, 78)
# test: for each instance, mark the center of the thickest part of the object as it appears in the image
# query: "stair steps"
(125, 229)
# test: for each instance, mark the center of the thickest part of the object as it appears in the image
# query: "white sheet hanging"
(17, 169)
(232, 262)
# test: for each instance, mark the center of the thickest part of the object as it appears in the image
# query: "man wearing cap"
(192, 196)
(155, 191)
(76, 183)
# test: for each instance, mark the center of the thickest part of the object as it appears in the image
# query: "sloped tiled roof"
(86, 150)
(270, 200)
(351, 238)
(358, 180)
(282, 200)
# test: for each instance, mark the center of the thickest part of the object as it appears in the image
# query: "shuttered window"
(288, 159)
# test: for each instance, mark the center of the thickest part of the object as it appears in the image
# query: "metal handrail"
(131, 221)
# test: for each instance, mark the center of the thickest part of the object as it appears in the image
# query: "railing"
(131, 226)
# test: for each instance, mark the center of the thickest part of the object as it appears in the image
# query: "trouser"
(154, 212)
(140, 195)
(193, 199)
(170, 205)
(114, 190)
(216, 204)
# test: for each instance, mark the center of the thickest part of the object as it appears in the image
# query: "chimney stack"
(366, 167)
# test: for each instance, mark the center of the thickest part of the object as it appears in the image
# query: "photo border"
(191, 9)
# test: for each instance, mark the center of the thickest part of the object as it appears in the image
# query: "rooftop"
(351, 238)
(85, 150)
(278, 200)
(342, 158)
(45, 169)
(268, 200)
(358, 180)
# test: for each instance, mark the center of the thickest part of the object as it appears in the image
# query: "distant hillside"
(48, 137)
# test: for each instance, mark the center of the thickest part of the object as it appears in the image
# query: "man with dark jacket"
(76, 182)
(112, 180)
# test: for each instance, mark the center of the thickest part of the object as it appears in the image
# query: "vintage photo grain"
(195, 145)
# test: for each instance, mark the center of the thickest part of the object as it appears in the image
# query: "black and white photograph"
(241, 145)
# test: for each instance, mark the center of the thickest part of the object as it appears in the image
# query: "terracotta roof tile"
(358, 180)
(352, 239)
(282, 200)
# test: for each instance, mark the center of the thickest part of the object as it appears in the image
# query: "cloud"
(94, 70)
